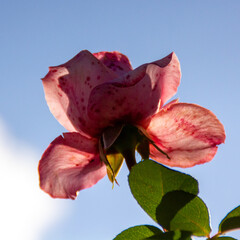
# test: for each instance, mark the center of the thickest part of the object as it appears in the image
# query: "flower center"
(125, 139)
(126, 144)
(121, 141)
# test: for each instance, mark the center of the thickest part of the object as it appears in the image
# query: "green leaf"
(148, 232)
(150, 181)
(138, 233)
(169, 198)
(172, 235)
(231, 221)
(184, 211)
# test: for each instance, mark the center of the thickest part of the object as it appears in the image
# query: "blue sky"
(205, 35)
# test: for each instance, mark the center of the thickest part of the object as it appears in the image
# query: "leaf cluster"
(171, 199)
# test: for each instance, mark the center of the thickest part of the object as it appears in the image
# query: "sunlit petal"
(67, 88)
(188, 133)
(70, 163)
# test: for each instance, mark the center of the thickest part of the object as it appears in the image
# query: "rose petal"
(184, 158)
(70, 163)
(67, 88)
(166, 106)
(145, 123)
(116, 61)
(169, 76)
(187, 133)
(135, 96)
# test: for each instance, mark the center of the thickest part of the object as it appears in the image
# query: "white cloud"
(25, 211)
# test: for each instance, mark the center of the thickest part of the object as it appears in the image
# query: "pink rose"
(110, 111)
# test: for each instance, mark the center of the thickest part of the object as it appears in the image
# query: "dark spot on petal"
(82, 121)
(92, 107)
(120, 68)
(62, 81)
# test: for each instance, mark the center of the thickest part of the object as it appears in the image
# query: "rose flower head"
(110, 111)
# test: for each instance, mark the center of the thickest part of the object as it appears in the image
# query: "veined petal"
(135, 96)
(116, 61)
(70, 163)
(169, 76)
(67, 88)
(188, 133)
(145, 123)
